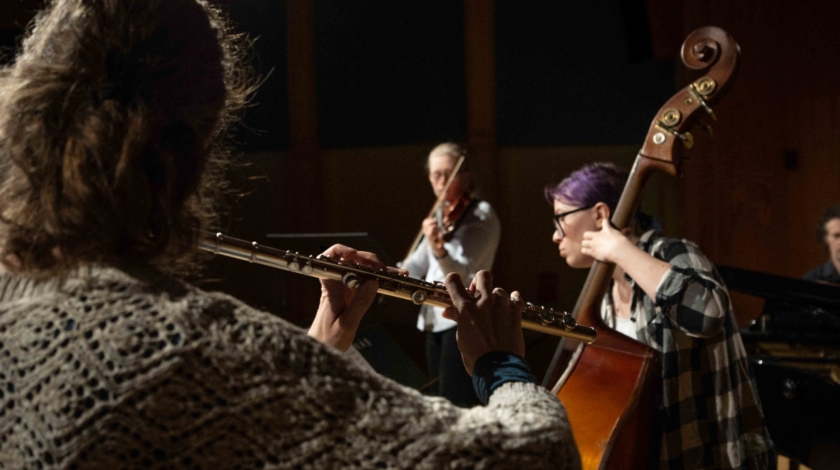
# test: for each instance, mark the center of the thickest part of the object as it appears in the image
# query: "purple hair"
(594, 183)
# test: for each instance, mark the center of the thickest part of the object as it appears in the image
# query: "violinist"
(666, 294)
(460, 237)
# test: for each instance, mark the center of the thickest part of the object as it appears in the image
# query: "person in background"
(463, 245)
(666, 294)
(830, 235)
(112, 154)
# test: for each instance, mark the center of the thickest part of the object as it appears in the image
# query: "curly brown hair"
(113, 120)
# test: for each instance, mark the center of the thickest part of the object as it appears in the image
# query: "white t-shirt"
(626, 326)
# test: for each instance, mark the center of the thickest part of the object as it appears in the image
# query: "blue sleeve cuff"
(496, 368)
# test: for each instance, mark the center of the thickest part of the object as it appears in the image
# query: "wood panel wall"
(754, 194)
(743, 203)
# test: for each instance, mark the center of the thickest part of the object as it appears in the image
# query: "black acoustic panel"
(266, 123)
(390, 72)
(568, 74)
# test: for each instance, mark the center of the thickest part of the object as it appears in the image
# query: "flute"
(534, 317)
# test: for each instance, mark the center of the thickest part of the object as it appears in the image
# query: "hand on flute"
(341, 308)
(488, 319)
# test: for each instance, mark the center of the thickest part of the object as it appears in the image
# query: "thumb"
(365, 295)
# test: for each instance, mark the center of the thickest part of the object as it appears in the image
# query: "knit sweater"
(112, 370)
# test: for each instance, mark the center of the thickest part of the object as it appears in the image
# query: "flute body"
(534, 317)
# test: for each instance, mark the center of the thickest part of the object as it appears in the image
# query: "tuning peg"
(687, 139)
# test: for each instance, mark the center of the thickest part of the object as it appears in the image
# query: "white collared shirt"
(471, 249)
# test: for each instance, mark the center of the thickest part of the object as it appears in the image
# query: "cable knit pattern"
(110, 370)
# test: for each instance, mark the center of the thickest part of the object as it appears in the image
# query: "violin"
(439, 205)
(450, 213)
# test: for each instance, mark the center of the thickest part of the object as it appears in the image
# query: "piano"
(794, 351)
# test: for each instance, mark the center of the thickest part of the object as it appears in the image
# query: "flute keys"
(569, 321)
(418, 297)
(306, 269)
(547, 316)
(351, 280)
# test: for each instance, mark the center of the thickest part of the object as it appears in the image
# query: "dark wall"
(392, 73)
(264, 23)
(389, 72)
(576, 73)
(8, 41)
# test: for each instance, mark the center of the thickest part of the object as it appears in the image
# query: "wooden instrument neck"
(588, 306)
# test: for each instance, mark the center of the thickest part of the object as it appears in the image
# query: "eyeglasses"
(438, 175)
(558, 218)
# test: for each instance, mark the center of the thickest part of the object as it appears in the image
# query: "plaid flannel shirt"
(711, 416)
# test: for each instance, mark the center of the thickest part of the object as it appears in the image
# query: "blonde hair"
(453, 151)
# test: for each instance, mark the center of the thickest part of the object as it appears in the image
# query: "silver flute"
(534, 317)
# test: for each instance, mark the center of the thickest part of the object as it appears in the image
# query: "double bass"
(612, 388)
